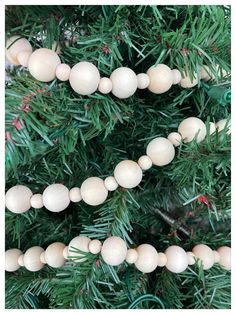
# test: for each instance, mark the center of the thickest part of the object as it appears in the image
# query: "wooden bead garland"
(114, 252)
(127, 173)
(45, 65)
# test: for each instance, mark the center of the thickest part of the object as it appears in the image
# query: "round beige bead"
(95, 246)
(63, 72)
(212, 128)
(21, 260)
(23, 57)
(11, 259)
(131, 256)
(84, 78)
(124, 82)
(128, 174)
(161, 78)
(192, 127)
(14, 46)
(143, 80)
(205, 73)
(75, 195)
(54, 255)
(175, 138)
(111, 183)
(93, 191)
(162, 259)
(145, 162)
(105, 85)
(161, 151)
(225, 257)
(220, 125)
(114, 251)
(177, 259)
(42, 258)
(186, 82)
(205, 255)
(216, 257)
(32, 258)
(191, 257)
(80, 243)
(56, 197)
(65, 252)
(176, 76)
(36, 201)
(43, 63)
(147, 258)
(18, 199)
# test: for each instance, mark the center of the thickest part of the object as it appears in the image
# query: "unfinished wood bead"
(161, 78)
(191, 258)
(128, 174)
(80, 243)
(175, 138)
(75, 195)
(56, 197)
(161, 151)
(18, 199)
(191, 128)
(36, 201)
(63, 72)
(93, 191)
(205, 255)
(105, 85)
(177, 259)
(225, 257)
(131, 256)
(11, 259)
(54, 255)
(162, 259)
(143, 80)
(124, 82)
(114, 251)
(176, 76)
(111, 183)
(147, 258)
(145, 162)
(32, 258)
(95, 246)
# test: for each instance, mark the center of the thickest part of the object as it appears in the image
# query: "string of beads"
(114, 252)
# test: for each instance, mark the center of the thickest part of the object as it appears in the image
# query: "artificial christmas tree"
(79, 122)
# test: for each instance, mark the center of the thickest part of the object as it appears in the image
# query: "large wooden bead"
(95, 246)
(176, 76)
(36, 201)
(54, 255)
(225, 257)
(42, 64)
(105, 85)
(220, 125)
(124, 82)
(131, 256)
(23, 57)
(111, 183)
(161, 151)
(143, 80)
(128, 174)
(93, 191)
(145, 162)
(11, 259)
(114, 251)
(14, 46)
(75, 195)
(162, 259)
(80, 243)
(84, 78)
(18, 199)
(147, 258)
(177, 259)
(161, 78)
(187, 82)
(63, 72)
(32, 260)
(205, 255)
(56, 197)
(175, 138)
(192, 127)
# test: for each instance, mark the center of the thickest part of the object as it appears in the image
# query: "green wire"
(146, 297)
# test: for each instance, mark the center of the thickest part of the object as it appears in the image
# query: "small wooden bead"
(131, 256)
(176, 76)
(111, 183)
(225, 257)
(63, 72)
(42, 258)
(93, 191)
(75, 195)
(186, 82)
(56, 197)
(23, 57)
(124, 82)
(175, 138)
(143, 80)
(54, 255)
(177, 259)
(161, 78)
(148, 258)
(95, 246)
(114, 251)
(80, 243)
(216, 257)
(205, 73)
(205, 255)
(11, 259)
(162, 259)
(65, 252)
(105, 85)
(161, 151)
(192, 127)
(32, 258)
(220, 125)
(212, 128)
(18, 199)
(128, 174)
(36, 201)
(21, 260)
(191, 257)
(145, 162)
